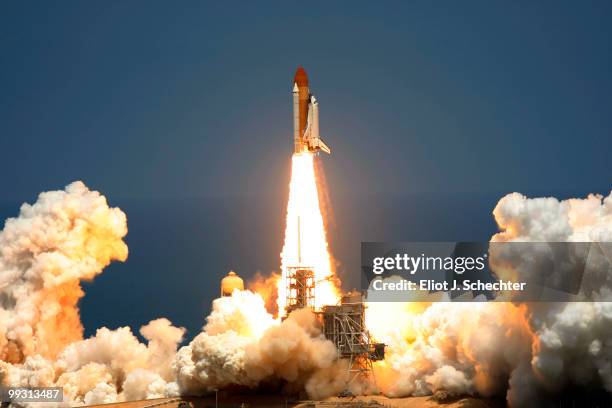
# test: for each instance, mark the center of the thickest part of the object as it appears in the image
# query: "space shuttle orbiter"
(305, 116)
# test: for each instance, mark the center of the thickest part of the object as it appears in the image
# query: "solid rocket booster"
(306, 136)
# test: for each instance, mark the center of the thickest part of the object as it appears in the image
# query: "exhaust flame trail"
(305, 240)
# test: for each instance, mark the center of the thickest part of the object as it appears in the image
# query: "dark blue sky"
(180, 114)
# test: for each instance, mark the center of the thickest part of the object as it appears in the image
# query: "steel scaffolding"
(344, 325)
(300, 288)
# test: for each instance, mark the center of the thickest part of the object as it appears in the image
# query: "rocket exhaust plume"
(305, 240)
(305, 250)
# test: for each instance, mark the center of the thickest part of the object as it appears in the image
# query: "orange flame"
(305, 239)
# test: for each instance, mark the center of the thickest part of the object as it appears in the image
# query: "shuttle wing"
(318, 144)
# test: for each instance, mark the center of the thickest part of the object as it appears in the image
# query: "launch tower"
(300, 282)
(300, 288)
(344, 325)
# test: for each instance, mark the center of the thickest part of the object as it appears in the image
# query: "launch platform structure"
(300, 288)
(344, 325)
(300, 282)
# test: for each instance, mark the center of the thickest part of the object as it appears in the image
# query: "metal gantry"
(344, 325)
(300, 288)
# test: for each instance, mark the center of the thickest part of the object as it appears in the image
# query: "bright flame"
(305, 241)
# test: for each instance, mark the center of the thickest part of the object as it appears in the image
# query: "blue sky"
(180, 114)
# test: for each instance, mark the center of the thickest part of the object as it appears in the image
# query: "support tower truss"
(344, 325)
(300, 288)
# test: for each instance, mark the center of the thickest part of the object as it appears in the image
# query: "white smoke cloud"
(117, 358)
(451, 348)
(527, 351)
(572, 343)
(111, 366)
(449, 381)
(65, 237)
(243, 345)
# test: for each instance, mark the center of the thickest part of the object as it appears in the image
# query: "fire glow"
(305, 239)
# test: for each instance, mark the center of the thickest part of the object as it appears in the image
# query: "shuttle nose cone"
(300, 78)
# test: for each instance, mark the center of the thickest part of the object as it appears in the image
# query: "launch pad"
(344, 325)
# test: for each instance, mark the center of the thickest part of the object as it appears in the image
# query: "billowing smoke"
(451, 349)
(525, 352)
(242, 344)
(65, 237)
(266, 286)
(113, 365)
(572, 345)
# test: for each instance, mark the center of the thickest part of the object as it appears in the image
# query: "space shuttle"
(305, 116)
